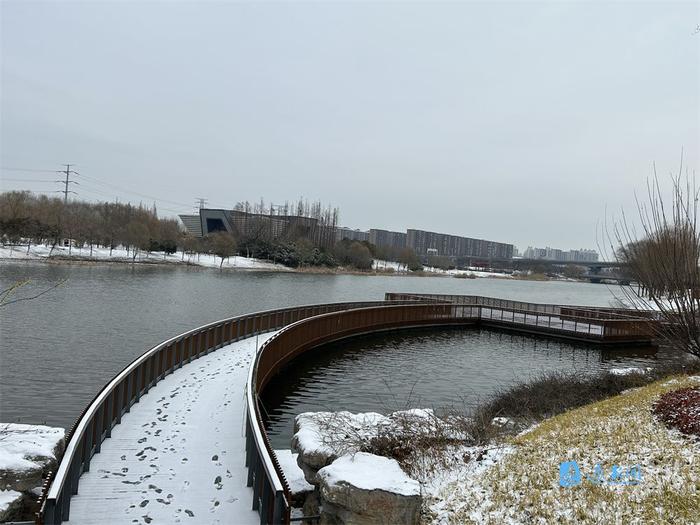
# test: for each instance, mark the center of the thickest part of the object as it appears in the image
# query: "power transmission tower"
(201, 202)
(67, 182)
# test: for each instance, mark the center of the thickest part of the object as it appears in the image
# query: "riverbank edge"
(88, 261)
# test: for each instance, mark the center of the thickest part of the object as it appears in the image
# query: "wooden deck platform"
(178, 455)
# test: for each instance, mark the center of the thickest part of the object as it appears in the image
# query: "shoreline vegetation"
(81, 256)
(631, 436)
(627, 466)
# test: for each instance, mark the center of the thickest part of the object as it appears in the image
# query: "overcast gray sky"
(517, 122)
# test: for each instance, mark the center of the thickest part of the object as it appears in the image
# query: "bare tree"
(223, 245)
(662, 256)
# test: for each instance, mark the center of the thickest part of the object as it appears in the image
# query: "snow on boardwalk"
(179, 455)
(545, 320)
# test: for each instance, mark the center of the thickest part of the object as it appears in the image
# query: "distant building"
(553, 254)
(193, 224)
(269, 227)
(387, 239)
(582, 255)
(352, 235)
(244, 224)
(428, 243)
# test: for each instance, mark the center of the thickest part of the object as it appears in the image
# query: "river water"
(57, 351)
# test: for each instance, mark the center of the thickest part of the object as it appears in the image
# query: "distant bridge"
(595, 273)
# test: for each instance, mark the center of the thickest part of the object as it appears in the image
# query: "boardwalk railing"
(271, 495)
(599, 325)
(306, 327)
(106, 410)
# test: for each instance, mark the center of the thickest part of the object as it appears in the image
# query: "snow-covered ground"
(10, 500)
(520, 482)
(38, 252)
(27, 447)
(396, 267)
(179, 454)
(295, 476)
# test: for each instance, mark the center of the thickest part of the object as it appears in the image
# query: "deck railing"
(306, 327)
(106, 410)
(271, 492)
(271, 495)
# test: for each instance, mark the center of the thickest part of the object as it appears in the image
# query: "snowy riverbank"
(610, 460)
(120, 255)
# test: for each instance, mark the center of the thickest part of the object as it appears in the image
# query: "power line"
(5, 179)
(28, 170)
(124, 190)
(111, 196)
(201, 202)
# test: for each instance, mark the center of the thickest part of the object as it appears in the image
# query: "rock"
(321, 437)
(27, 453)
(502, 422)
(295, 476)
(363, 489)
(312, 504)
(11, 503)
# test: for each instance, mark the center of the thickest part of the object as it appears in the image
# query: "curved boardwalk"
(179, 455)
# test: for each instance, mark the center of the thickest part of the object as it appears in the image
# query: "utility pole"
(67, 182)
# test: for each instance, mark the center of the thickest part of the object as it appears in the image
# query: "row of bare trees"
(34, 219)
(289, 221)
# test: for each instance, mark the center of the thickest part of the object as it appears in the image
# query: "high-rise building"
(352, 235)
(387, 239)
(553, 254)
(425, 242)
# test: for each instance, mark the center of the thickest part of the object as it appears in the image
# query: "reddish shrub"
(680, 409)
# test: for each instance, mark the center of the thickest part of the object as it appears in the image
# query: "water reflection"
(57, 352)
(444, 368)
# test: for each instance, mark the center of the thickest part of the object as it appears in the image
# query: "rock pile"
(352, 486)
(27, 454)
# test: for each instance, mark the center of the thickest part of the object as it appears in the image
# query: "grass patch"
(621, 430)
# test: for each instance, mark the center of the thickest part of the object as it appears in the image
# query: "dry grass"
(524, 487)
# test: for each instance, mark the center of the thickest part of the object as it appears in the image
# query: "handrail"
(272, 497)
(595, 312)
(125, 389)
(271, 494)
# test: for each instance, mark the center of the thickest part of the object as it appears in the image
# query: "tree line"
(38, 219)
(309, 237)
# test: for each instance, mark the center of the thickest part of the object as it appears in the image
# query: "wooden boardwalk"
(179, 454)
(166, 440)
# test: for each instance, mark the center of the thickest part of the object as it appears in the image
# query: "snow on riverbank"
(41, 252)
(393, 266)
(27, 447)
(629, 468)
